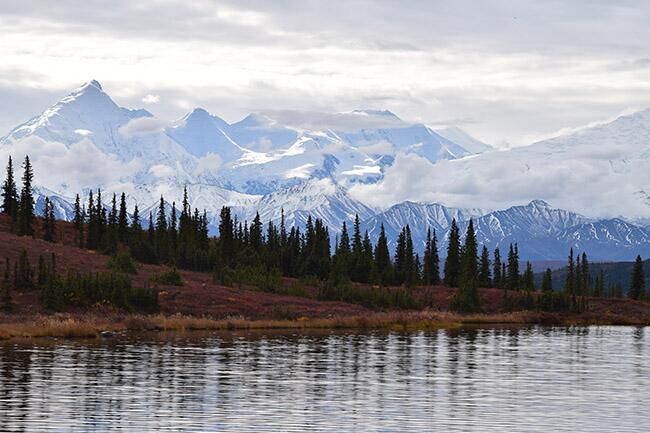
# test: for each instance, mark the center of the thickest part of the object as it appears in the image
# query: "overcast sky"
(509, 72)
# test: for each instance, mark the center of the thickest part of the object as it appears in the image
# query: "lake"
(538, 379)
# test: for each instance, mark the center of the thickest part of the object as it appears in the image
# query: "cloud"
(161, 170)
(577, 62)
(208, 164)
(602, 182)
(347, 122)
(151, 99)
(143, 126)
(84, 165)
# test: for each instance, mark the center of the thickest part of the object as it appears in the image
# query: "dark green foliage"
(23, 273)
(599, 285)
(466, 299)
(60, 293)
(171, 277)
(452, 262)
(484, 279)
(529, 278)
(431, 262)
(382, 267)
(569, 285)
(90, 289)
(404, 270)
(78, 222)
(512, 273)
(25, 223)
(122, 261)
(10, 192)
(48, 221)
(584, 282)
(637, 284)
(547, 281)
(497, 275)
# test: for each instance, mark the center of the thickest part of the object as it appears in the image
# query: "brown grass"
(90, 326)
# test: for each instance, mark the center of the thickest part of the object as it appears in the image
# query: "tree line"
(179, 237)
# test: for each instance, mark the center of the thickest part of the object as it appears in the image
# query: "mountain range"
(260, 164)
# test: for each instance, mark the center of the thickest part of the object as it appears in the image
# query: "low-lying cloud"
(143, 126)
(84, 165)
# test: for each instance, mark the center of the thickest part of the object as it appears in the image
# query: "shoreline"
(75, 326)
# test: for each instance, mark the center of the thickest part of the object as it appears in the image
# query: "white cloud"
(579, 61)
(151, 99)
(84, 165)
(208, 164)
(603, 182)
(161, 170)
(143, 126)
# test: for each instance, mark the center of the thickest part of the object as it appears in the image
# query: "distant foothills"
(260, 165)
(260, 254)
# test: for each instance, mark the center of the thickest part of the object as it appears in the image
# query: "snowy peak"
(94, 83)
(387, 114)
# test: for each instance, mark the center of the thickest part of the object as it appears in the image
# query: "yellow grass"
(91, 326)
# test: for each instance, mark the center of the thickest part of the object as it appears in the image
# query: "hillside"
(198, 296)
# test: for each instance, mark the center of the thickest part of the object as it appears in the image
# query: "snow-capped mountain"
(320, 198)
(612, 239)
(261, 164)
(88, 113)
(419, 217)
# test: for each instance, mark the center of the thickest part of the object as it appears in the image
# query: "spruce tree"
(466, 298)
(547, 281)
(48, 220)
(529, 278)
(226, 237)
(497, 277)
(26, 204)
(637, 285)
(585, 277)
(78, 222)
(382, 267)
(484, 269)
(512, 277)
(122, 220)
(9, 192)
(400, 258)
(470, 269)
(431, 265)
(599, 285)
(357, 268)
(342, 253)
(452, 262)
(569, 285)
(410, 270)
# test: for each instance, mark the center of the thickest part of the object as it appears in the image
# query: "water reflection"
(516, 380)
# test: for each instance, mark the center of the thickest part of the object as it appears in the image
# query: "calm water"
(485, 380)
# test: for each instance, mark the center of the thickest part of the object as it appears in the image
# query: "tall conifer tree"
(10, 192)
(452, 262)
(26, 204)
(637, 285)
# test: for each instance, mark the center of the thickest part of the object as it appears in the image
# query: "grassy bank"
(91, 326)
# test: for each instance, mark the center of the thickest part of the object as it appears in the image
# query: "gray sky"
(509, 72)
